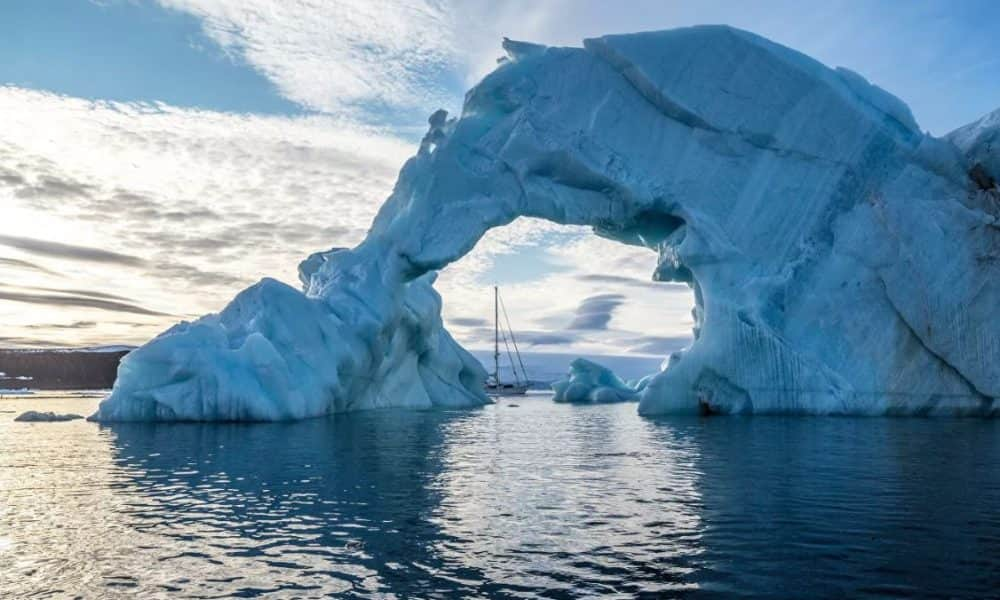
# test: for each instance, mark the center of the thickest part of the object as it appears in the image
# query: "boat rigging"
(495, 386)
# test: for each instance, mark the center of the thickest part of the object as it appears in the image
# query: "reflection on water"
(533, 500)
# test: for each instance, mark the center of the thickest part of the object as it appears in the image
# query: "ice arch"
(844, 262)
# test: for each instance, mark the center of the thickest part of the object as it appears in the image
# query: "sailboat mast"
(496, 336)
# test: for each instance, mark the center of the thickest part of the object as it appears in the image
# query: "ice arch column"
(843, 261)
(368, 340)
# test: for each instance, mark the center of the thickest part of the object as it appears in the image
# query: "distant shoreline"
(60, 369)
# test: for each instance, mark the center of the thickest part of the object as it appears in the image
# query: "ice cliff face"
(842, 261)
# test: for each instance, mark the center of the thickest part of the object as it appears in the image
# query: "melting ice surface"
(540, 501)
(843, 261)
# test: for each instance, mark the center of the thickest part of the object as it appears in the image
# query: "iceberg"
(591, 383)
(842, 261)
(359, 340)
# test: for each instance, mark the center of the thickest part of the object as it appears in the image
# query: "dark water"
(537, 500)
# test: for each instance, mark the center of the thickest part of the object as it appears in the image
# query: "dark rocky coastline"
(59, 369)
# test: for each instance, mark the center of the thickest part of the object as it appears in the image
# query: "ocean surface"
(522, 499)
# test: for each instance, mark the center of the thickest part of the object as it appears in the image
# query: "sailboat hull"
(506, 389)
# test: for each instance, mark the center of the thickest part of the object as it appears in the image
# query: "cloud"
(75, 292)
(78, 301)
(385, 61)
(658, 345)
(23, 264)
(595, 312)
(196, 277)
(524, 338)
(10, 178)
(68, 251)
(398, 60)
(633, 281)
(27, 342)
(73, 325)
(360, 56)
(547, 339)
(467, 322)
(197, 204)
(49, 187)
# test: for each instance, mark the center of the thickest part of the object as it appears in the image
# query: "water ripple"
(538, 501)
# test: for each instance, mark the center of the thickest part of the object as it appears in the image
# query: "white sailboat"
(495, 386)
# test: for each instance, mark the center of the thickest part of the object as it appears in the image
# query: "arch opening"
(571, 294)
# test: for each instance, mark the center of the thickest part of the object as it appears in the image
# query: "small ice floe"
(15, 392)
(589, 382)
(34, 416)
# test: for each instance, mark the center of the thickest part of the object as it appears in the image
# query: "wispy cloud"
(389, 61)
(548, 339)
(357, 56)
(603, 278)
(467, 322)
(78, 301)
(73, 325)
(14, 341)
(69, 251)
(595, 312)
(657, 345)
(74, 292)
(49, 188)
(15, 263)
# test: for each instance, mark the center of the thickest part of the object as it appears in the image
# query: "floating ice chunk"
(589, 382)
(35, 416)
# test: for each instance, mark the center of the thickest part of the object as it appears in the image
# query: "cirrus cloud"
(360, 56)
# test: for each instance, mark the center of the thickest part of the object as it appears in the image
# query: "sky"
(157, 156)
